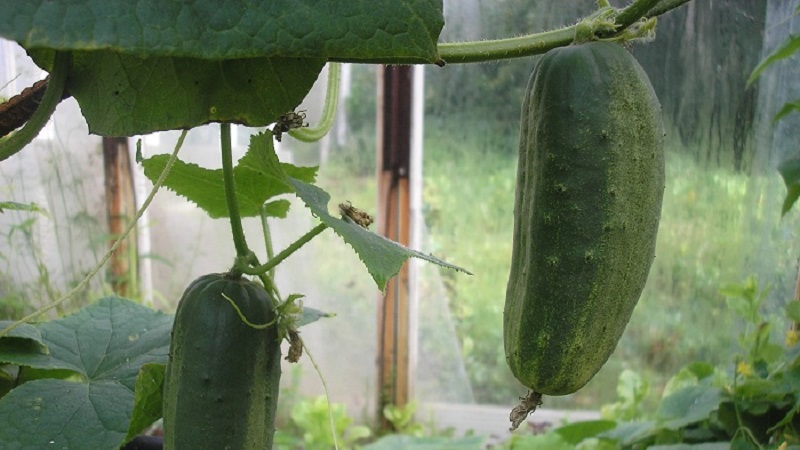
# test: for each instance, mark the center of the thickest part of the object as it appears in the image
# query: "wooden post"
(120, 209)
(394, 140)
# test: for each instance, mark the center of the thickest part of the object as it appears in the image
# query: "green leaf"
(125, 95)
(278, 208)
(743, 441)
(311, 315)
(628, 433)
(349, 30)
(786, 50)
(787, 109)
(398, 441)
(631, 387)
(574, 433)
(105, 343)
(382, 257)
(15, 206)
(690, 375)
(547, 441)
(258, 175)
(790, 171)
(26, 338)
(689, 405)
(703, 446)
(147, 398)
(793, 311)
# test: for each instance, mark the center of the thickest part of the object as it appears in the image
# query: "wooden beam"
(120, 209)
(394, 139)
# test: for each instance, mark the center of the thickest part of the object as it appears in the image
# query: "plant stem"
(242, 251)
(664, 6)
(114, 247)
(492, 50)
(267, 238)
(635, 11)
(306, 134)
(52, 97)
(538, 43)
(293, 247)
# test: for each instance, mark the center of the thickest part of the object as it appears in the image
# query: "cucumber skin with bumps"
(222, 377)
(590, 182)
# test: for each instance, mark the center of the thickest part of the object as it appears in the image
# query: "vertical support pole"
(120, 208)
(394, 143)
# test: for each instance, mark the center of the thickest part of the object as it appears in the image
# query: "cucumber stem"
(492, 50)
(285, 253)
(634, 12)
(664, 6)
(239, 241)
(267, 237)
(11, 145)
(539, 43)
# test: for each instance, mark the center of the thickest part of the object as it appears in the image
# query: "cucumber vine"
(539, 43)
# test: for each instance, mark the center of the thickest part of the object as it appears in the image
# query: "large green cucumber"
(221, 386)
(590, 181)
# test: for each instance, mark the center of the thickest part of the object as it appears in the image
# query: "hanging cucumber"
(590, 182)
(221, 386)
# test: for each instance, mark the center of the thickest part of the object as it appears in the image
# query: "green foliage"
(382, 257)
(399, 441)
(632, 390)
(75, 385)
(790, 171)
(785, 50)
(16, 206)
(259, 177)
(702, 407)
(311, 427)
(118, 95)
(244, 71)
(148, 398)
(747, 301)
(402, 419)
(359, 30)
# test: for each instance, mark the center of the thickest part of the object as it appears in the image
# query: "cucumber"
(590, 181)
(222, 377)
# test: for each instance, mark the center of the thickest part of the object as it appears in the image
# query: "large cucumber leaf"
(124, 95)
(396, 31)
(102, 348)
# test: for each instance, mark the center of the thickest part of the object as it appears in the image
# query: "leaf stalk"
(285, 253)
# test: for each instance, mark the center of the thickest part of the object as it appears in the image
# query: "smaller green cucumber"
(222, 378)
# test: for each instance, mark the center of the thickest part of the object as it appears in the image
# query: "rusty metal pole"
(393, 160)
